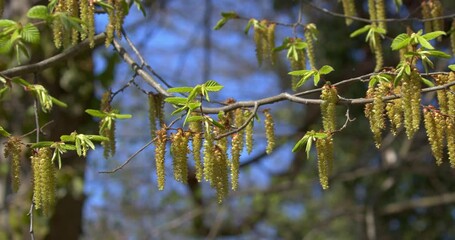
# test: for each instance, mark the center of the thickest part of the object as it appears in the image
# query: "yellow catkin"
(395, 113)
(436, 11)
(297, 64)
(324, 148)
(235, 162)
(196, 146)
(450, 121)
(375, 111)
(349, 10)
(442, 94)
(258, 40)
(329, 96)
(179, 152)
(410, 92)
(378, 54)
(269, 131)
(159, 105)
(110, 26)
(271, 42)
(310, 31)
(44, 183)
(452, 37)
(91, 24)
(152, 115)
(249, 140)
(426, 13)
(381, 14)
(208, 154)
(13, 149)
(220, 176)
(120, 13)
(239, 119)
(57, 27)
(160, 151)
(83, 14)
(432, 121)
(372, 12)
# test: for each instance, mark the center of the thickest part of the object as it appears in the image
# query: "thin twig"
(130, 158)
(136, 68)
(52, 61)
(250, 118)
(40, 130)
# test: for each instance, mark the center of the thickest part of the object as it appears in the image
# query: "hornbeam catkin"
(269, 131)
(13, 149)
(44, 184)
(324, 148)
(160, 151)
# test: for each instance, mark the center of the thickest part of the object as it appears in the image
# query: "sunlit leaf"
(96, 113)
(400, 41)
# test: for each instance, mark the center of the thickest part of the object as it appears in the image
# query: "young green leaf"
(38, 12)
(3, 132)
(96, 113)
(122, 116)
(400, 41)
(427, 82)
(180, 90)
(361, 30)
(433, 35)
(42, 144)
(30, 33)
(452, 67)
(58, 102)
(176, 100)
(213, 86)
(326, 69)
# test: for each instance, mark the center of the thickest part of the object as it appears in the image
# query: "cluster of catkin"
(440, 123)
(324, 146)
(264, 38)
(432, 9)
(43, 169)
(215, 163)
(44, 179)
(85, 11)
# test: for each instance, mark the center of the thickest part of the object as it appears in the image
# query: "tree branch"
(54, 60)
(423, 202)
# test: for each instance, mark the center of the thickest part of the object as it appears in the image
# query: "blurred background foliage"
(395, 192)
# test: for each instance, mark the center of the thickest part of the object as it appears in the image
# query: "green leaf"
(213, 86)
(299, 72)
(326, 69)
(97, 138)
(176, 100)
(400, 41)
(359, 31)
(6, 23)
(194, 105)
(433, 35)
(452, 67)
(3, 91)
(30, 33)
(427, 82)
(298, 146)
(122, 116)
(248, 26)
(178, 110)
(220, 23)
(104, 5)
(424, 43)
(96, 113)
(180, 90)
(440, 54)
(68, 147)
(308, 146)
(42, 144)
(58, 102)
(3, 132)
(194, 119)
(140, 7)
(229, 14)
(68, 138)
(216, 123)
(38, 12)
